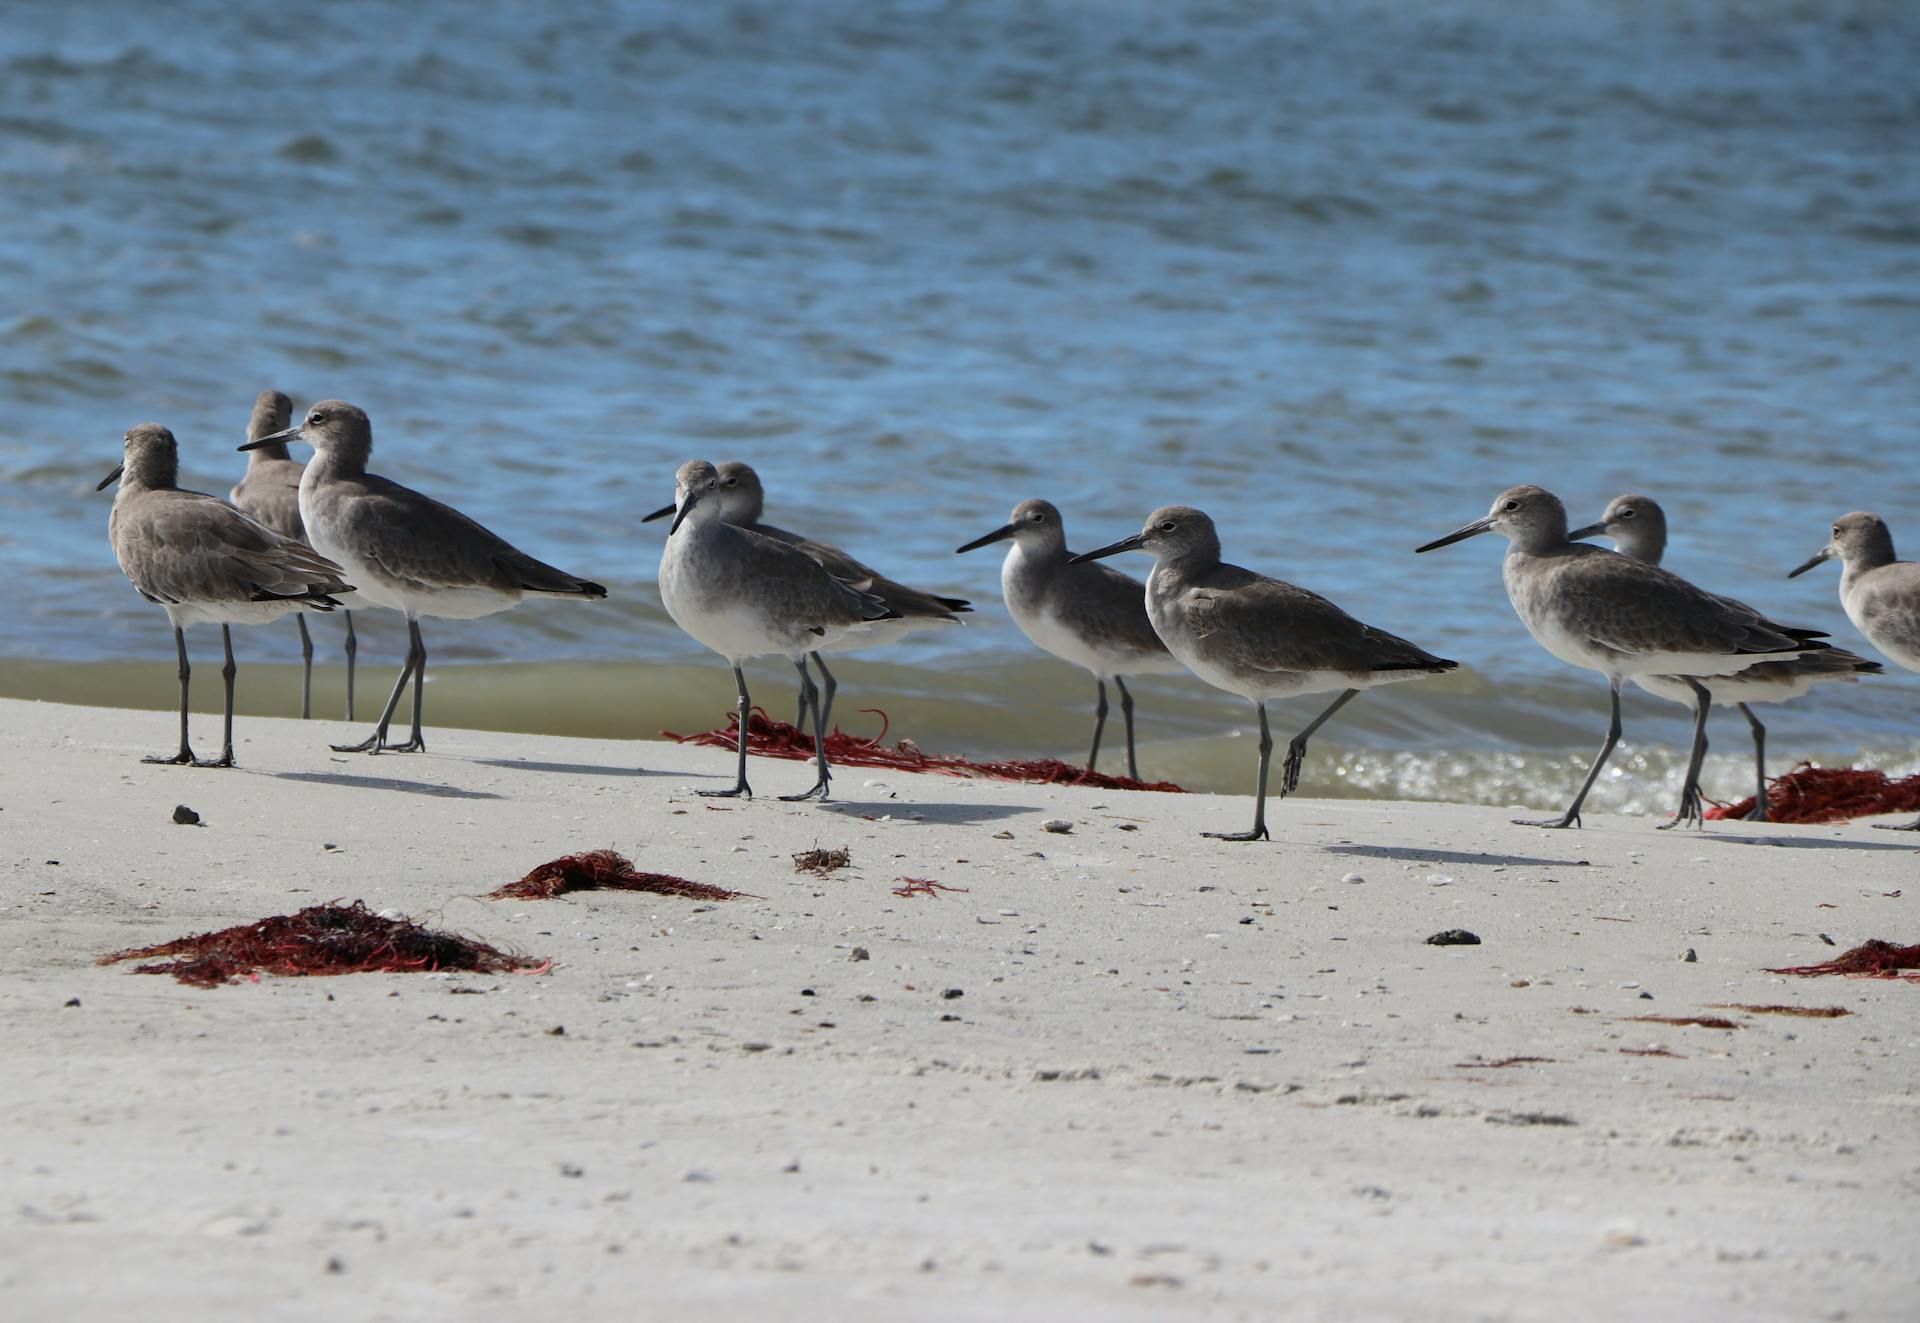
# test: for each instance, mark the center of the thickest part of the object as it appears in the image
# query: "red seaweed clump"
(770, 738)
(1871, 959)
(922, 886)
(318, 941)
(602, 870)
(1829, 794)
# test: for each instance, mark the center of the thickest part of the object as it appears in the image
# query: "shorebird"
(404, 550)
(1625, 618)
(270, 492)
(1638, 527)
(1260, 638)
(1881, 595)
(206, 563)
(741, 500)
(745, 595)
(1091, 616)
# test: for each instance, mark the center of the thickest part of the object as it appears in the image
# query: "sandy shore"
(1181, 1079)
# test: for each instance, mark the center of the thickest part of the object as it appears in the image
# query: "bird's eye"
(1037, 517)
(730, 482)
(1628, 514)
(1836, 530)
(1511, 505)
(317, 416)
(1166, 526)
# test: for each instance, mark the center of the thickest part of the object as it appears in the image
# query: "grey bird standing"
(270, 492)
(206, 563)
(1881, 594)
(742, 500)
(405, 551)
(1638, 527)
(1260, 638)
(1087, 615)
(746, 595)
(1605, 612)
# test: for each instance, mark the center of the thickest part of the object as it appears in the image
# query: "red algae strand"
(602, 870)
(770, 738)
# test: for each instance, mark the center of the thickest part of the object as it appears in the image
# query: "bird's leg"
(740, 786)
(1571, 818)
(1099, 723)
(185, 756)
(1259, 832)
(306, 666)
(377, 741)
(809, 695)
(353, 651)
(828, 687)
(227, 672)
(1692, 807)
(417, 659)
(1297, 746)
(1126, 710)
(1758, 813)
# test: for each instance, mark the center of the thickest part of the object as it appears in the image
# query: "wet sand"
(1180, 1078)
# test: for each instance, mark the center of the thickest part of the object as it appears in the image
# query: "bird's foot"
(224, 760)
(374, 743)
(817, 791)
(739, 791)
(1290, 769)
(184, 758)
(414, 745)
(1758, 813)
(1257, 834)
(1551, 824)
(1899, 826)
(1692, 811)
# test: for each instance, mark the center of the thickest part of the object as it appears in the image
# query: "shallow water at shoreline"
(1192, 735)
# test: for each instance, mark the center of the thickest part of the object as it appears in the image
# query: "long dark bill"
(1111, 549)
(1474, 529)
(1000, 534)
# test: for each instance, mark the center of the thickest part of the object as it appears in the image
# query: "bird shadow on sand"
(575, 769)
(385, 783)
(1416, 855)
(1910, 845)
(959, 815)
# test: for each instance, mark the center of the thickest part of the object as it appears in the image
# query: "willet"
(270, 492)
(1597, 609)
(1881, 595)
(1260, 638)
(1638, 527)
(206, 563)
(742, 500)
(405, 551)
(1091, 616)
(745, 595)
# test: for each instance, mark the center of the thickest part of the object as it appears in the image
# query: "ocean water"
(1336, 273)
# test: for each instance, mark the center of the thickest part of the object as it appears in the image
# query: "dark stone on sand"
(1454, 937)
(185, 816)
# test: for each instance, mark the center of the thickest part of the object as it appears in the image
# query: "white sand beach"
(1125, 1074)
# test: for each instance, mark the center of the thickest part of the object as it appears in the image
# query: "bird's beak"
(1474, 529)
(661, 513)
(1825, 553)
(687, 502)
(1591, 530)
(1000, 534)
(285, 434)
(1111, 549)
(120, 468)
